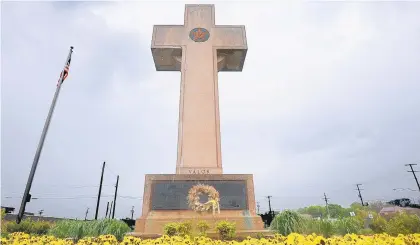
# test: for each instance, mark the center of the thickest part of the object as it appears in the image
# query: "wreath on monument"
(194, 198)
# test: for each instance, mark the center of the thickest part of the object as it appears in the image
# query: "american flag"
(65, 72)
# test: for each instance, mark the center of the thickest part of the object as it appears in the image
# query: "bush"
(203, 227)
(3, 223)
(28, 226)
(171, 229)
(185, 228)
(226, 230)
(78, 229)
(178, 229)
(403, 223)
(288, 222)
(378, 224)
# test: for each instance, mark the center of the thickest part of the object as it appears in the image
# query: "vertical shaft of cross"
(199, 49)
(200, 139)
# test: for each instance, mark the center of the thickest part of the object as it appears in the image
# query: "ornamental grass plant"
(77, 229)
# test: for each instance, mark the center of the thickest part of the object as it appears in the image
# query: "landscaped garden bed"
(292, 239)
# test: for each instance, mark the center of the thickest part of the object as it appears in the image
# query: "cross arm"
(231, 45)
(228, 37)
(166, 47)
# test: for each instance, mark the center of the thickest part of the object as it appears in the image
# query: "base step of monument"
(241, 234)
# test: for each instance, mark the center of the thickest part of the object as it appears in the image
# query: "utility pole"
(326, 205)
(269, 206)
(360, 195)
(26, 195)
(258, 207)
(132, 212)
(109, 214)
(115, 197)
(99, 193)
(87, 211)
(107, 207)
(414, 173)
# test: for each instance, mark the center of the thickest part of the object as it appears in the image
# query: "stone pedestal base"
(154, 223)
(164, 202)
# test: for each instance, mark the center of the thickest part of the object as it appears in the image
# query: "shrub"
(185, 228)
(78, 229)
(378, 224)
(403, 223)
(288, 222)
(28, 226)
(226, 230)
(203, 227)
(178, 229)
(171, 229)
(3, 223)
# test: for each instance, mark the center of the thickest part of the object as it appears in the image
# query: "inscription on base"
(172, 195)
(199, 171)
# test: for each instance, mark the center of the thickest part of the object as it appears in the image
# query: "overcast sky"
(328, 98)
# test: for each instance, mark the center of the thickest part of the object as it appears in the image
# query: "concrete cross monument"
(199, 49)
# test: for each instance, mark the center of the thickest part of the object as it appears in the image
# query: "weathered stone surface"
(152, 221)
(199, 49)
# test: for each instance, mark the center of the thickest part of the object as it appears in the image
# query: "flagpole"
(26, 196)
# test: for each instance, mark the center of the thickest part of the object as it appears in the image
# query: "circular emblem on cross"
(199, 34)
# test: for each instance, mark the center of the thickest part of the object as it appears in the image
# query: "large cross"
(199, 49)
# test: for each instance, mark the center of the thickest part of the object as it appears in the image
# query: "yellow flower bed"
(292, 239)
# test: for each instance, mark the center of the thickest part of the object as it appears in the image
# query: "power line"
(130, 197)
(403, 189)
(107, 167)
(73, 197)
(414, 173)
(77, 186)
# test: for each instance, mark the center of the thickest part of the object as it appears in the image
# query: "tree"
(314, 211)
(336, 211)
